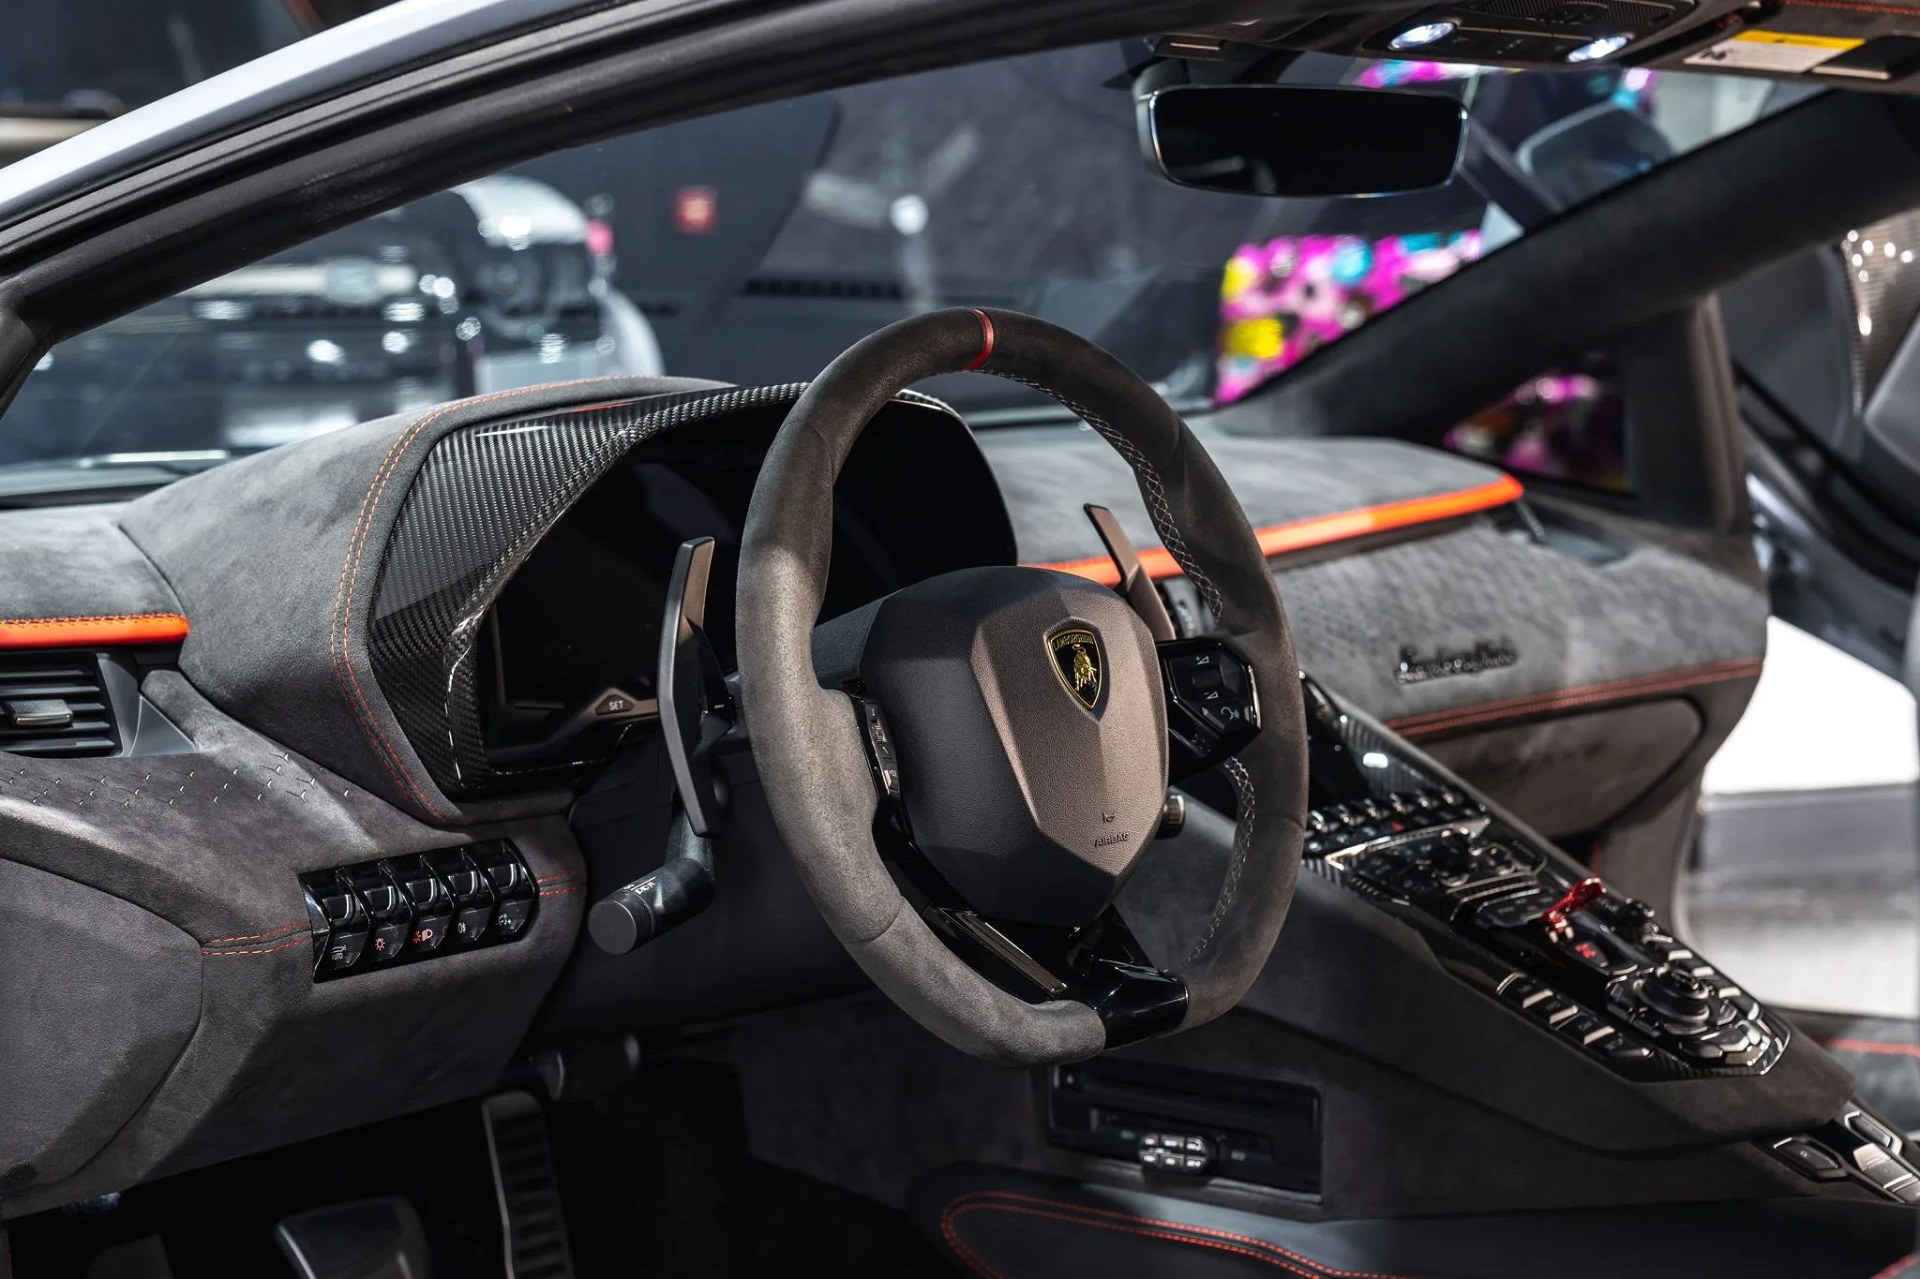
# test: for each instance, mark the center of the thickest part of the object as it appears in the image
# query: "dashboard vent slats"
(29, 682)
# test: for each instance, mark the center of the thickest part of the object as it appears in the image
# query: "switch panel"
(1190, 1123)
(1213, 709)
(402, 909)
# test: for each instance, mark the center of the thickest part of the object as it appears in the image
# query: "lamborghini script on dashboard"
(1485, 655)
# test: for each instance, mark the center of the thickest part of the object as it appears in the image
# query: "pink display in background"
(1281, 300)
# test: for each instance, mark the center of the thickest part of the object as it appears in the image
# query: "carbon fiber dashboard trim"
(483, 499)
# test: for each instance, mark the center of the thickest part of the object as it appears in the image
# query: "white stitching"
(1156, 491)
(1242, 840)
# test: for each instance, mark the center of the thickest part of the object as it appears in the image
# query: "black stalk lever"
(659, 900)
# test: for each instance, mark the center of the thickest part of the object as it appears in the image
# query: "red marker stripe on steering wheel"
(986, 339)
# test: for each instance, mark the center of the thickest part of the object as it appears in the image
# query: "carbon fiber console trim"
(482, 501)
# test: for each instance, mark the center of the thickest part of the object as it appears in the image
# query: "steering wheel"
(966, 771)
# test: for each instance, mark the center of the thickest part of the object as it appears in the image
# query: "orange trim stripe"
(1322, 530)
(1582, 695)
(66, 632)
(1873, 1046)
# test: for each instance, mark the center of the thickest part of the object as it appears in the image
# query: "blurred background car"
(501, 282)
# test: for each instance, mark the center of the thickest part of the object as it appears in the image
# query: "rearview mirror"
(1301, 140)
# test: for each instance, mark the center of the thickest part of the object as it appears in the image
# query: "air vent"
(55, 705)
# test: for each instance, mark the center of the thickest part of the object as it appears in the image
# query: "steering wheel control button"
(880, 751)
(380, 914)
(1213, 709)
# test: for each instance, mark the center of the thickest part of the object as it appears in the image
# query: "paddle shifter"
(696, 712)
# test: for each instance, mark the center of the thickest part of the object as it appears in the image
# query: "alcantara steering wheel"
(967, 770)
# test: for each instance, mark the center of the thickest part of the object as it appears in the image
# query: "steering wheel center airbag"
(1026, 708)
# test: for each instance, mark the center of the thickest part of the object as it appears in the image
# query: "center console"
(1513, 917)
(1520, 919)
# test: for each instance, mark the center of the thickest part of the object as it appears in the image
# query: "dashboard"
(402, 637)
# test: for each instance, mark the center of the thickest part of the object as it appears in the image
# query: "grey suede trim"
(73, 561)
(202, 851)
(1570, 623)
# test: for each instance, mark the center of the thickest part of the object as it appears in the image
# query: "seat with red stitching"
(1002, 1223)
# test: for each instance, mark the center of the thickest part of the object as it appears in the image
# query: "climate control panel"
(402, 909)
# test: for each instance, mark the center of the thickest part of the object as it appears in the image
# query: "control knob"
(1677, 994)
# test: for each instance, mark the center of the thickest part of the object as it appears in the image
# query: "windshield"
(109, 56)
(754, 246)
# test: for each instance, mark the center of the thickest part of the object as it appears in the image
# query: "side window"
(1567, 425)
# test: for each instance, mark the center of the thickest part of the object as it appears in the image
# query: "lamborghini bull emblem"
(1081, 665)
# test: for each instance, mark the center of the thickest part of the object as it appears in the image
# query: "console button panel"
(402, 909)
(1881, 1163)
(1597, 971)
(1601, 973)
(1178, 1122)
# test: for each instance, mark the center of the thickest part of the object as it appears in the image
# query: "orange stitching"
(285, 945)
(984, 1198)
(271, 932)
(952, 1237)
(1628, 682)
(1547, 707)
(951, 1233)
(97, 617)
(342, 609)
(1439, 725)
(384, 750)
(555, 892)
(1873, 1046)
(1580, 695)
(1854, 5)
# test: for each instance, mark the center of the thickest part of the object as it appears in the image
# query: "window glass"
(755, 245)
(107, 56)
(1567, 425)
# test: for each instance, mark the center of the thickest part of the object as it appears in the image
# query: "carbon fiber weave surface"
(481, 503)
